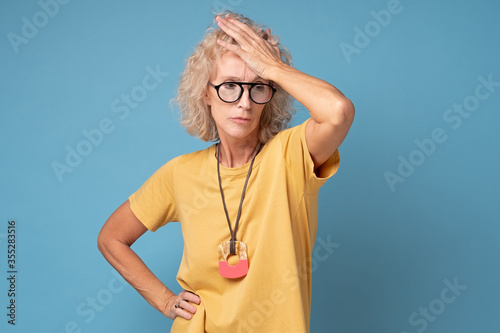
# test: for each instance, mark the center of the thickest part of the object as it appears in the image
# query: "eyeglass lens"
(231, 92)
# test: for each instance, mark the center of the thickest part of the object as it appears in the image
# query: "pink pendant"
(238, 270)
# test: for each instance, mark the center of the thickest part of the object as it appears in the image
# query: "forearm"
(116, 237)
(137, 274)
(325, 103)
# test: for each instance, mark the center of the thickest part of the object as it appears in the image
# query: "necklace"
(233, 246)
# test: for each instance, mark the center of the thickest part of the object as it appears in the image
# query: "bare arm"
(116, 237)
(331, 112)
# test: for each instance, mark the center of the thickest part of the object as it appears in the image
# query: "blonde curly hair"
(196, 115)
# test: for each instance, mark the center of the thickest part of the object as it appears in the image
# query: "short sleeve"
(154, 203)
(300, 161)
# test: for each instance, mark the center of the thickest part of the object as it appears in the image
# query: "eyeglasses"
(230, 92)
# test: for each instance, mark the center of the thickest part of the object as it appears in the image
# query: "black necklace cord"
(232, 247)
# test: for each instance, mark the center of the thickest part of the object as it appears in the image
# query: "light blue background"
(394, 249)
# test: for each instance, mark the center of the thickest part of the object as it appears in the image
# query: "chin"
(242, 133)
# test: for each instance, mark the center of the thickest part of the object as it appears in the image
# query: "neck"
(235, 154)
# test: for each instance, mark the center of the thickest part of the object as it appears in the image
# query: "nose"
(245, 102)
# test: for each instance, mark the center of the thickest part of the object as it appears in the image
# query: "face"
(239, 120)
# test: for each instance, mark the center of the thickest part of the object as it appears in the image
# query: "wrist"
(279, 73)
(165, 301)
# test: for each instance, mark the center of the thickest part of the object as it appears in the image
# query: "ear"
(206, 97)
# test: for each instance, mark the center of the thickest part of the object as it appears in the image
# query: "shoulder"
(292, 135)
(291, 144)
(195, 157)
(188, 162)
(287, 146)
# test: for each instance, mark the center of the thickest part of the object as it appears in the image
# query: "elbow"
(342, 112)
(105, 244)
(347, 109)
(102, 241)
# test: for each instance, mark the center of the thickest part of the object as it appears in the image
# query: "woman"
(248, 204)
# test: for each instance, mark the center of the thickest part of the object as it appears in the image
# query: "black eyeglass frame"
(241, 84)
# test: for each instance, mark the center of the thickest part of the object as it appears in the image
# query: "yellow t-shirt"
(278, 224)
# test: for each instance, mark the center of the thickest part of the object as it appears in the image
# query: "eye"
(260, 88)
(230, 86)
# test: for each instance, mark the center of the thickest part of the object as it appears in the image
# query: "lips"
(240, 120)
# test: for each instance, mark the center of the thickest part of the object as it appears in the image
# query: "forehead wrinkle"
(231, 67)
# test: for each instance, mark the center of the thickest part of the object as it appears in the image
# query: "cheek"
(217, 109)
(261, 111)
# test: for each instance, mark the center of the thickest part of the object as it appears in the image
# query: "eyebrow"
(237, 79)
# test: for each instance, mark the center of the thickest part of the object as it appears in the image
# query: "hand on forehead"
(261, 55)
(231, 67)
